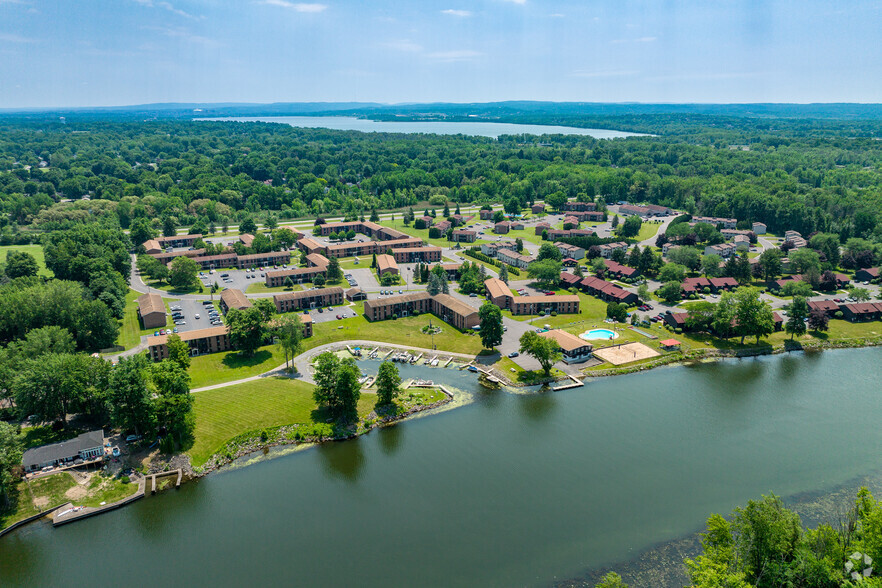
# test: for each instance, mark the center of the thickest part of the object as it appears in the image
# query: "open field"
(217, 368)
(35, 250)
(224, 413)
(261, 287)
(647, 231)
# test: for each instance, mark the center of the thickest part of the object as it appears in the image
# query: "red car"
(339, 317)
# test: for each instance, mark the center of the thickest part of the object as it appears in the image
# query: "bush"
(839, 314)
(553, 313)
(678, 330)
(125, 480)
(395, 317)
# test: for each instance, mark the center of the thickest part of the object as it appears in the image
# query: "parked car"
(513, 354)
(116, 452)
(133, 438)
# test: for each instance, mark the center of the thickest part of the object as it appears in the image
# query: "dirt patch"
(78, 492)
(41, 502)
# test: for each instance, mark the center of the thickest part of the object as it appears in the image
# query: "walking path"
(302, 361)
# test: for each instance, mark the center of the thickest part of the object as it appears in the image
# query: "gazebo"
(670, 344)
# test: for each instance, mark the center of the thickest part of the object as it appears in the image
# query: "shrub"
(125, 480)
(678, 330)
(839, 314)
(553, 313)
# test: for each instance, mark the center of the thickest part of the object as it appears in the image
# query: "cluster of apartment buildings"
(499, 294)
(446, 307)
(316, 264)
(505, 252)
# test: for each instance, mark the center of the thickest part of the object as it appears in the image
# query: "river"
(507, 490)
(478, 129)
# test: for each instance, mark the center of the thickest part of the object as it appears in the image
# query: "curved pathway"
(302, 361)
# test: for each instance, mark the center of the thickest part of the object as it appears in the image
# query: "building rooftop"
(496, 287)
(148, 303)
(567, 341)
(235, 298)
(38, 455)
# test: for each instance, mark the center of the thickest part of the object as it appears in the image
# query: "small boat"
(434, 362)
(472, 368)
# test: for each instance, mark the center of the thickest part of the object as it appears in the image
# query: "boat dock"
(574, 383)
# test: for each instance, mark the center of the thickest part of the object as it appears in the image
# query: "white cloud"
(617, 73)
(165, 6)
(13, 38)
(297, 6)
(455, 12)
(454, 55)
(404, 45)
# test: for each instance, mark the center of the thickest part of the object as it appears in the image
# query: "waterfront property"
(200, 341)
(305, 299)
(828, 307)
(862, 311)
(151, 309)
(498, 293)
(573, 349)
(86, 447)
(566, 304)
(449, 309)
(233, 298)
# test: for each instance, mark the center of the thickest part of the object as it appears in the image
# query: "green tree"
(546, 272)
(284, 237)
(549, 251)
(753, 316)
(10, 460)
(672, 272)
(643, 293)
(319, 280)
(818, 320)
(671, 292)
(141, 230)
(388, 383)
(796, 317)
(20, 264)
(178, 351)
(131, 404)
(611, 580)
(544, 350)
(859, 294)
(335, 274)
(290, 331)
(247, 225)
(519, 245)
(503, 273)
(375, 218)
(631, 227)
(336, 385)
(491, 325)
(700, 316)
(804, 260)
(172, 403)
(617, 312)
(770, 262)
(828, 245)
(246, 328)
(688, 257)
(183, 273)
(711, 265)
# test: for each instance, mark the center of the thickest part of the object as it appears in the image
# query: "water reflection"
(390, 439)
(343, 460)
(538, 407)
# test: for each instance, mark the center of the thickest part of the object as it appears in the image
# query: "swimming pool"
(599, 334)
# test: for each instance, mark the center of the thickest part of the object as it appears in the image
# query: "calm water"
(478, 129)
(509, 490)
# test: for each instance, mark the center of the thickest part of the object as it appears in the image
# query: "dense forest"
(807, 175)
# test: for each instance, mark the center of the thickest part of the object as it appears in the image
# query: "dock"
(574, 383)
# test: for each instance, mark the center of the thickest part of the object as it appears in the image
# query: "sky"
(66, 53)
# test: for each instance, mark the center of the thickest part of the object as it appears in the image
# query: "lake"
(507, 490)
(478, 129)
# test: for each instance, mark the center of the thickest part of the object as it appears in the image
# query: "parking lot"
(234, 278)
(189, 310)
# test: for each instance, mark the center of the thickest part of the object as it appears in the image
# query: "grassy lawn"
(35, 250)
(165, 287)
(107, 489)
(227, 412)
(647, 231)
(217, 368)
(261, 287)
(403, 331)
(130, 331)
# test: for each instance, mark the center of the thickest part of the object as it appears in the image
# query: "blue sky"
(115, 52)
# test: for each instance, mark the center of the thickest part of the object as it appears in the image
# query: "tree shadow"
(391, 438)
(237, 360)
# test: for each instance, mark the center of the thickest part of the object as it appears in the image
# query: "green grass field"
(261, 287)
(224, 413)
(35, 250)
(217, 368)
(647, 231)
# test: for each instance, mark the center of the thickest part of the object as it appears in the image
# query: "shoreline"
(546, 384)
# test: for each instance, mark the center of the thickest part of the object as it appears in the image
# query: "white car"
(197, 316)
